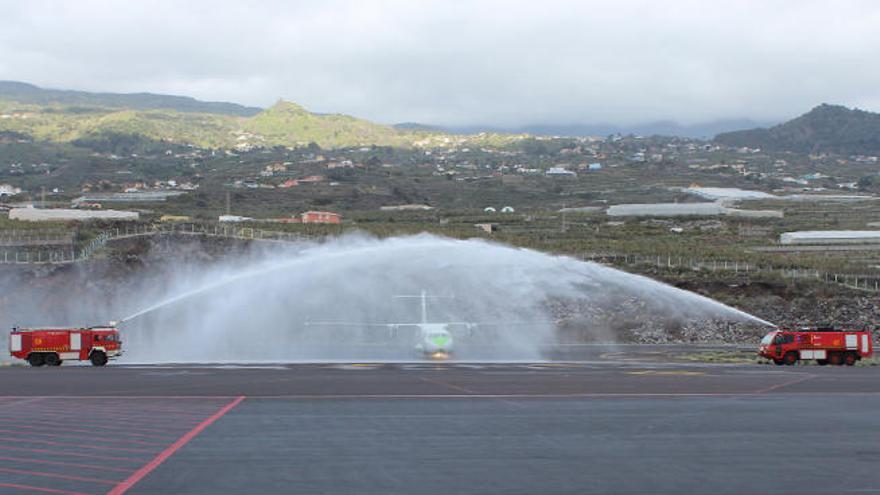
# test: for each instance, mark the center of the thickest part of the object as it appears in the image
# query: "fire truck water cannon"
(825, 345)
(52, 346)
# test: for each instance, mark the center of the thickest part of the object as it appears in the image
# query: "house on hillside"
(343, 164)
(560, 172)
(275, 168)
(312, 179)
(289, 183)
(321, 217)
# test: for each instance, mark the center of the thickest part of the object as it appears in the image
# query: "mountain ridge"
(704, 130)
(826, 128)
(123, 122)
(32, 94)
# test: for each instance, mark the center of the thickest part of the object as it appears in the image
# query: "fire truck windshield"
(768, 339)
(783, 339)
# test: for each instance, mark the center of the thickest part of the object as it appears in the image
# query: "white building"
(686, 209)
(666, 210)
(8, 190)
(233, 219)
(410, 207)
(62, 215)
(831, 237)
(560, 172)
(728, 193)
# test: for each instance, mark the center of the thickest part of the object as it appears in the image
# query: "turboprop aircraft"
(434, 340)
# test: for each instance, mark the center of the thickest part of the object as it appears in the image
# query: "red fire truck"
(825, 345)
(52, 346)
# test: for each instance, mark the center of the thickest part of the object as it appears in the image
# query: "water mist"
(261, 309)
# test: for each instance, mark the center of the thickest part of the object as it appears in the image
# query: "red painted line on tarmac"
(144, 403)
(72, 454)
(77, 445)
(113, 397)
(92, 438)
(165, 454)
(28, 460)
(153, 427)
(157, 418)
(29, 488)
(97, 410)
(28, 421)
(59, 476)
(97, 417)
(27, 426)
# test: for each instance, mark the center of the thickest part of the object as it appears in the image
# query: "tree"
(534, 147)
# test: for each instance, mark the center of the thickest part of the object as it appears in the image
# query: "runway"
(432, 428)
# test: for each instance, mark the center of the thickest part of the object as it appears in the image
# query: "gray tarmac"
(440, 428)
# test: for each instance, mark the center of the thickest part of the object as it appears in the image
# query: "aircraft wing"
(500, 323)
(391, 327)
(340, 323)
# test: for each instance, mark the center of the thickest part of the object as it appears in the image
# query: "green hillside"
(284, 124)
(30, 94)
(824, 129)
(59, 123)
(106, 122)
(287, 123)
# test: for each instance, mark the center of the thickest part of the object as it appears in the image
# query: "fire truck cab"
(52, 346)
(825, 345)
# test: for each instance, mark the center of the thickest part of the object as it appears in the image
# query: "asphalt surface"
(440, 428)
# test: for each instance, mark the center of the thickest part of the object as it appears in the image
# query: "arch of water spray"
(257, 311)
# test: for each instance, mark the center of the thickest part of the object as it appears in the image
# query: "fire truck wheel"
(98, 358)
(790, 358)
(52, 359)
(850, 359)
(35, 359)
(778, 362)
(835, 358)
(821, 362)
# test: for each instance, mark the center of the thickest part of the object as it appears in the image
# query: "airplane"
(434, 339)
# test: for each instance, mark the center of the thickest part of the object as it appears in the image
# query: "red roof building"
(321, 217)
(289, 183)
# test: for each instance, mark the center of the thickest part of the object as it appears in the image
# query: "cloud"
(501, 62)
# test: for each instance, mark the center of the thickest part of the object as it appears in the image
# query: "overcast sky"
(497, 62)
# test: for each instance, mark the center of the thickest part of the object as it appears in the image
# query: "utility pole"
(564, 227)
(228, 207)
(43, 198)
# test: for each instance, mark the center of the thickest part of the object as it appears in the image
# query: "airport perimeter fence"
(56, 255)
(59, 255)
(17, 238)
(865, 282)
(39, 245)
